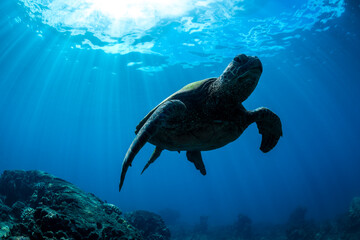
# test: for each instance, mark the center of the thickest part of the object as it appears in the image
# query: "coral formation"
(344, 227)
(298, 227)
(202, 227)
(36, 205)
(150, 224)
(354, 213)
(243, 227)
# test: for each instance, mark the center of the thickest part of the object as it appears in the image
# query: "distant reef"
(35, 205)
(344, 227)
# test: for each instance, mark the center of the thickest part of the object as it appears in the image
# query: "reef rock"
(203, 225)
(354, 213)
(298, 228)
(36, 205)
(150, 224)
(243, 227)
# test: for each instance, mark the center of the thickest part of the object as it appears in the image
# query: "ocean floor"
(36, 205)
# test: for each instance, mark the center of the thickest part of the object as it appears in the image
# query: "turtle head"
(241, 76)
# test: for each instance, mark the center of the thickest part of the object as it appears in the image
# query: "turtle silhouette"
(206, 115)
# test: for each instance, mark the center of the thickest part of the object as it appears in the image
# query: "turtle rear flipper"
(167, 111)
(195, 157)
(269, 126)
(153, 157)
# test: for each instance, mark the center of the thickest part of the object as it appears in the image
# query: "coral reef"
(36, 205)
(354, 213)
(202, 227)
(150, 224)
(344, 227)
(298, 227)
(243, 227)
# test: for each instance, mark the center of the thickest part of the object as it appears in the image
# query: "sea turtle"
(206, 115)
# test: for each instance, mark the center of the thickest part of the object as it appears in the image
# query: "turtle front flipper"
(195, 157)
(269, 126)
(160, 117)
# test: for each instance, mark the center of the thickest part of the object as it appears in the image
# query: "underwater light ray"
(194, 31)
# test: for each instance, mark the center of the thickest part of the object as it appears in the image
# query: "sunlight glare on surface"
(209, 26)
(140, 9)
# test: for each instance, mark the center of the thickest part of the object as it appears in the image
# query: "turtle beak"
(259, 64)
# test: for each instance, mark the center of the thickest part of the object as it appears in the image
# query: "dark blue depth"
(72, 112)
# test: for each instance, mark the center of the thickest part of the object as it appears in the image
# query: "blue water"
(73, 91)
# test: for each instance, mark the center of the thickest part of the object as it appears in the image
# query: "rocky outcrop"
(298, 228)
(150, 224)
(354, 213)
(243, 227)
(36, 205)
